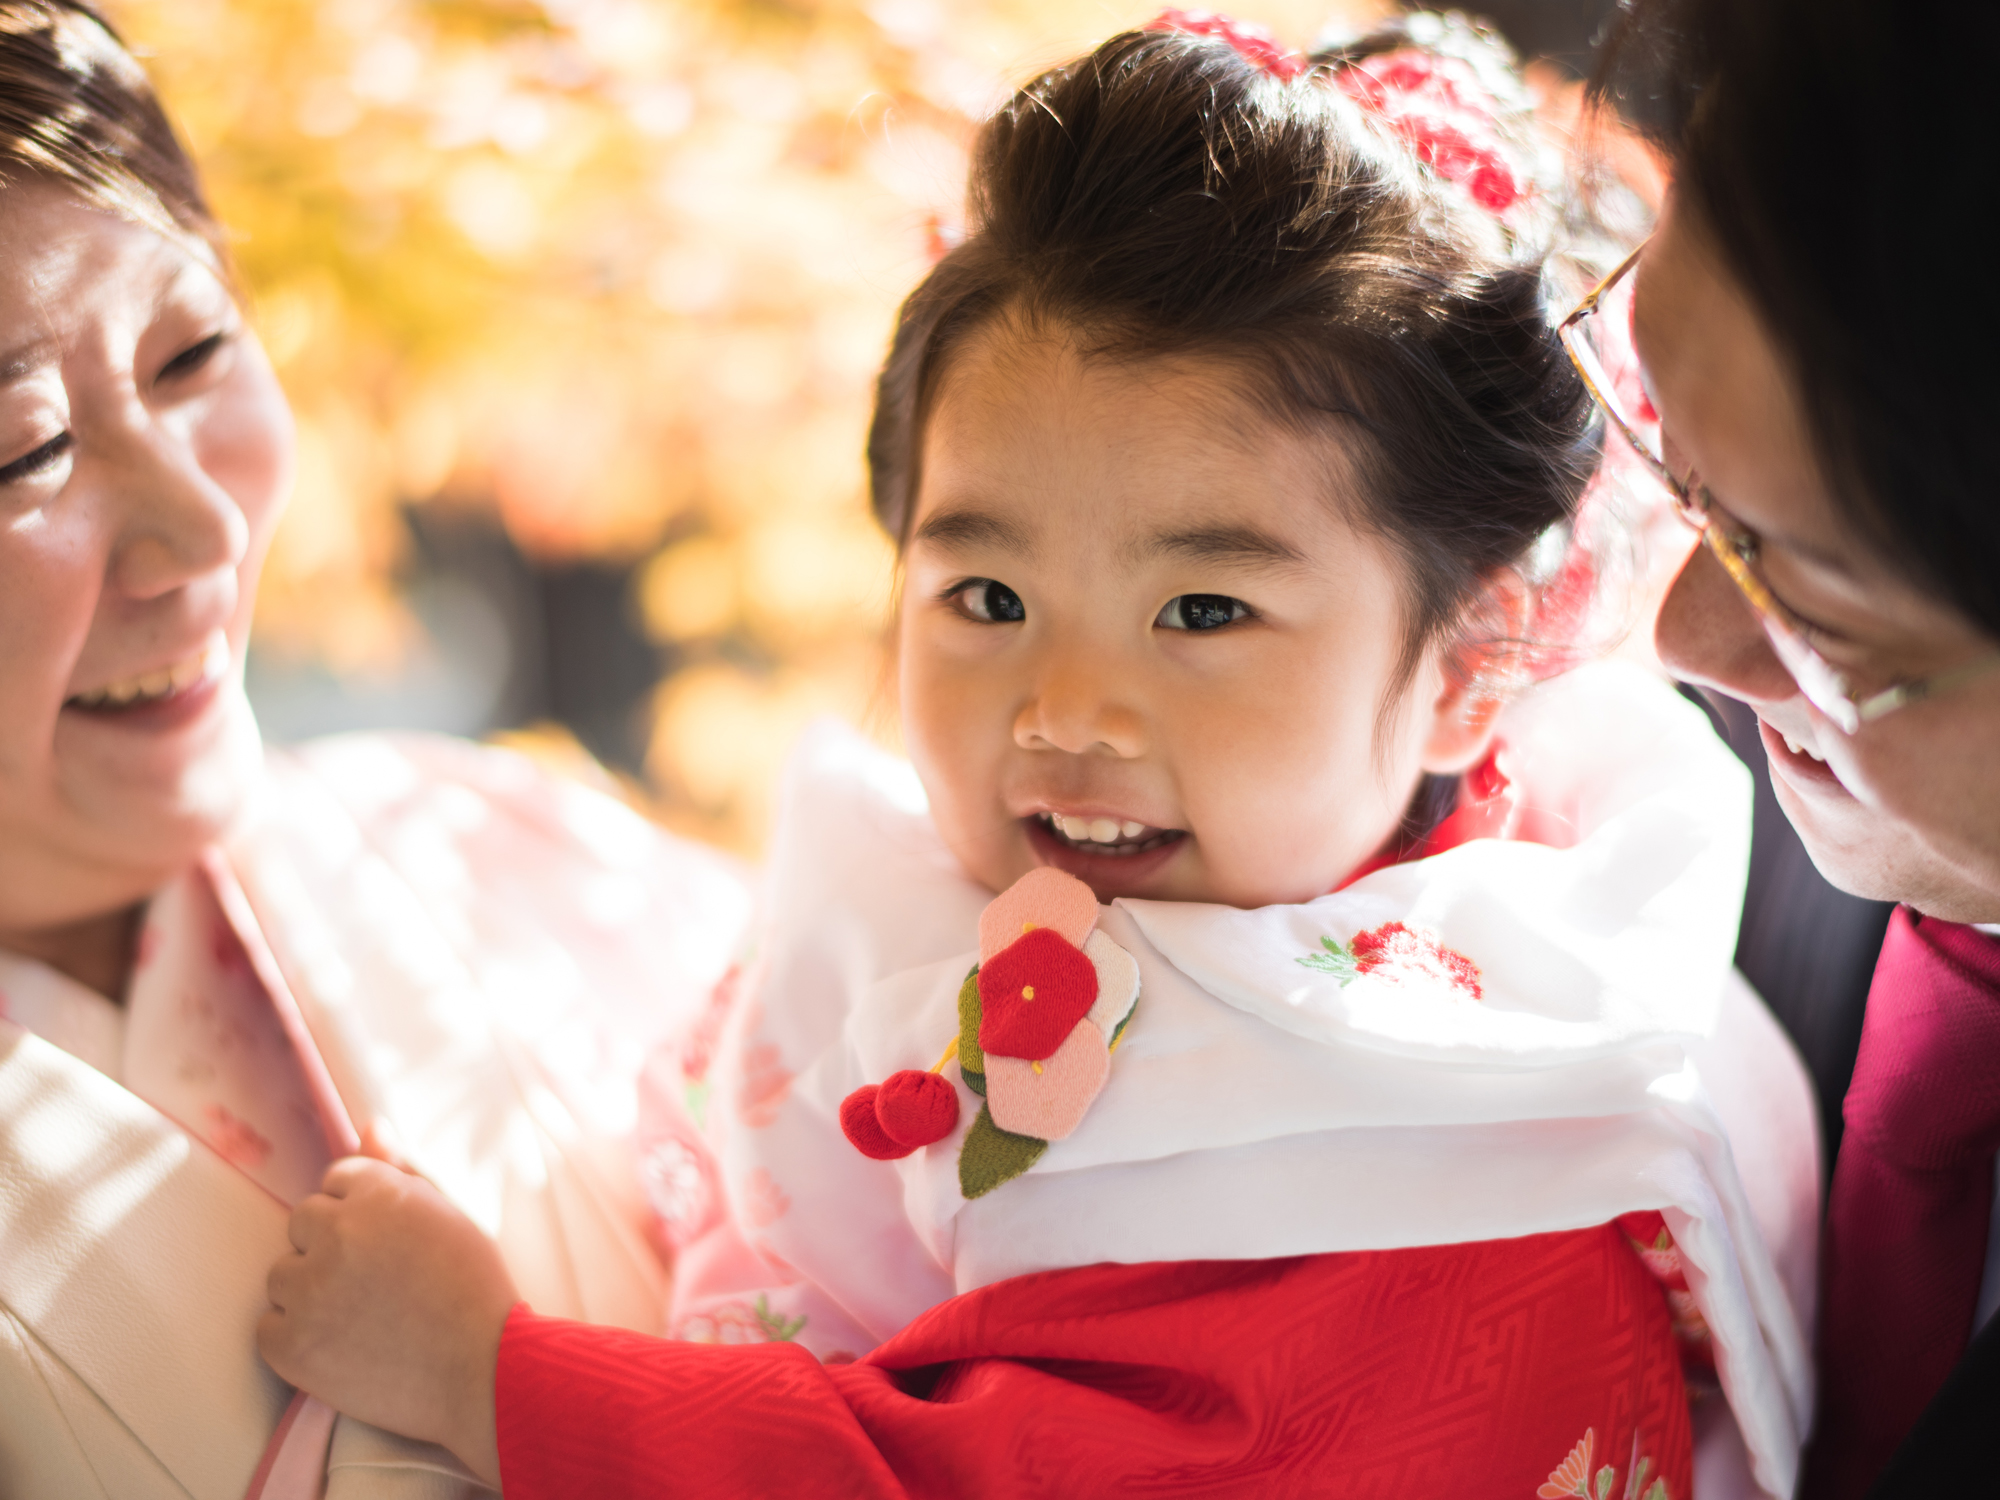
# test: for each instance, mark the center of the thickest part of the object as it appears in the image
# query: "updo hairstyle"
(1165, 196)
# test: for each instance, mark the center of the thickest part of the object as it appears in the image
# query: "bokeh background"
(579, 303)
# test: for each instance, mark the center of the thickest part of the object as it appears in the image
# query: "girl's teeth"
(1077, 829)
(1103, 830)
(1131, 830)
(1791, 744)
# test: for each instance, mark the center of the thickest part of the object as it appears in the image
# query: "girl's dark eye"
(28, 465)
(193, 358)
(992, 602)
(1201, 612)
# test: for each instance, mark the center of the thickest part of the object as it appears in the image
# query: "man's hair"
(1844, 155)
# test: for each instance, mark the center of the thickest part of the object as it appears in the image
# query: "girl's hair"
(78, 111)
(1844, 166)
(1169, 195)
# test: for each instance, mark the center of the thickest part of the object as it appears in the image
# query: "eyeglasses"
(1735, 546)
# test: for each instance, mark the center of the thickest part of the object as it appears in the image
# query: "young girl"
(1225, 456)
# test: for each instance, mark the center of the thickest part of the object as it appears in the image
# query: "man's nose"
(1082, 704)
(1708, 634)
(176, 524)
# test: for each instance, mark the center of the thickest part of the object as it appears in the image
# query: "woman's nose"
(1081, 706)
(1708, 634)
(176, 523)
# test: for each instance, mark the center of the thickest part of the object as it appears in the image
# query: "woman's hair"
(78, 111)
(1166, 195)
(1846, 173)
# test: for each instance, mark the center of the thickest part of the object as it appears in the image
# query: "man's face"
(1908, 809)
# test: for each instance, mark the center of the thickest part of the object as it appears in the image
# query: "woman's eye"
(1201, 612)
(992, 602)
(193, 357)
(46, 457)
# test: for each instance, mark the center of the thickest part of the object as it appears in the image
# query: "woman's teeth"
(209, 662)
(1105, 835)
(1797, 749)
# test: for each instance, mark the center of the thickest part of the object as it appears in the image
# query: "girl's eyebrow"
(1222, 544)
(974, 528)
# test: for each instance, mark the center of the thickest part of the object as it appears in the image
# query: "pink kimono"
(438, 939)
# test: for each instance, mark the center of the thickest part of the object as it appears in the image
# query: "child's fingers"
(378, 1140)
(350, 1173)
(308, 1223)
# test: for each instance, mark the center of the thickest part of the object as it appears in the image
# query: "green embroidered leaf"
(1605, 1479)
(1336, 960)
(777, 1328)
(991, 1156)
(974, 1081)
(1658, 1491)
(1119, 1030)
(1638, 1480)
(970, 1058)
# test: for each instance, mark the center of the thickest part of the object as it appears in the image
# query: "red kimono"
(1524, 1367)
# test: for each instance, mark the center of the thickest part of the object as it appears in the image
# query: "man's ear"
(1463, 714)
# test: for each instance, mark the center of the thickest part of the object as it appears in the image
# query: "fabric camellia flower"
(1038, 1018)
(1398, 951)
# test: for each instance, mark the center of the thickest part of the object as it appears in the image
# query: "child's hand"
(392, 1310)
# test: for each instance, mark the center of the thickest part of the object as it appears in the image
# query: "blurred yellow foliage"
(620, 270)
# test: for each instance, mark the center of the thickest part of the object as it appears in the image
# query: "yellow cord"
(938, 1066)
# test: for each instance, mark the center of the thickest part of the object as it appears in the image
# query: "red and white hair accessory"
(1252, 42)
(1441, 108)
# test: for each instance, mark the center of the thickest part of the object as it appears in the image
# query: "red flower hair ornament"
(1434, 101)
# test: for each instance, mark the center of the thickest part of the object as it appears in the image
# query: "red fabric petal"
(1032, 995)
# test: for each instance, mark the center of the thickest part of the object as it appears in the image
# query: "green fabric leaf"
(1658, 1491)
(1605, 1479)
(1336, 960)
(974, 1081)
(991, 1156)
(970, 1058)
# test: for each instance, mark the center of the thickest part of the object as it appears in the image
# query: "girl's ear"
(1463, 714)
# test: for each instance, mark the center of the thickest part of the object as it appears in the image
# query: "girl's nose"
(1079, 706)
(177, 524)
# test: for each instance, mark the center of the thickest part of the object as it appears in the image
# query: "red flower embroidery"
(1406, 952)
(1397, 950)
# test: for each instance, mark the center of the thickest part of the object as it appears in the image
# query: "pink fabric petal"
(1050, 1103)
(1044, 897)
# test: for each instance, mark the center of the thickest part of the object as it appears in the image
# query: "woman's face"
(145, 452)
(1138, 643)
(1909, 808)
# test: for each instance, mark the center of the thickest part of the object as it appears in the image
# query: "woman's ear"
(1463, 714)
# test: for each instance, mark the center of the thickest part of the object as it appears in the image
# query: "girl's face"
(1139, 641)
(144, 454)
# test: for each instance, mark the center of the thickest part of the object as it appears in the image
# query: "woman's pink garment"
(480, 957)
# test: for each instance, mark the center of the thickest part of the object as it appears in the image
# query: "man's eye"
(1201, 612)
(995, 603)
(46, 457)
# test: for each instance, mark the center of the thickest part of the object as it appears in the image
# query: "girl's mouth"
(1112, 837)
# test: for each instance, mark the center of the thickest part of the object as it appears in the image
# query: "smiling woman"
(220, 970)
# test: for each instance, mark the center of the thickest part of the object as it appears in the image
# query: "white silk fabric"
(1256, 1108)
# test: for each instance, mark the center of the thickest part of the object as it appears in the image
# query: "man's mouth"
(1118, 837)
(191, 672)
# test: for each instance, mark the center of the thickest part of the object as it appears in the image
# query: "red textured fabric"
(1912, 1194)
(1449, 1373)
